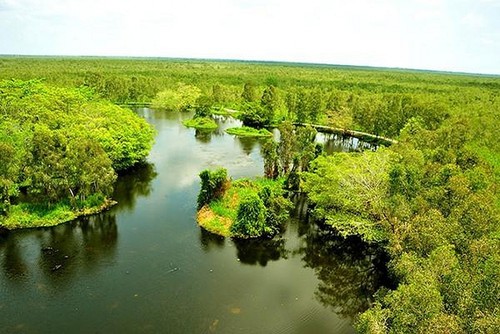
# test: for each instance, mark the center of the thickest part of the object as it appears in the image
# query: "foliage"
(26, 215)
(248, 209)
(246, 131)
(255, 115)
(182, 98)
(213, 186)
(61, 144)
(250, 220)
(202, 123)
(250, 93)
(432, 198)
(268, 150)
(348, 191)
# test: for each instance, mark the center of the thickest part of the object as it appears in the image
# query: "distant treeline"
(378, 101)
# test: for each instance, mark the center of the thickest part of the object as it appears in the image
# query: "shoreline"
(68, 216)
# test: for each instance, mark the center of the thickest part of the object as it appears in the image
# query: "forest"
(430, 200)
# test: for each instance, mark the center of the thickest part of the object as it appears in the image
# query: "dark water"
(146, 267)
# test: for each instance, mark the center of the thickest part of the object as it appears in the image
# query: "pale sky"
(450, 35)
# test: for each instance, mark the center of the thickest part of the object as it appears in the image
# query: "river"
(146, 267)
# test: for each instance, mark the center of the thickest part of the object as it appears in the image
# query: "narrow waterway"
(146, 267)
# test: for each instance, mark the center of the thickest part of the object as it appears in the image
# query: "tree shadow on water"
(349, 270)
(260, 251)
(55, 255)
(133, 183)
(210, 240)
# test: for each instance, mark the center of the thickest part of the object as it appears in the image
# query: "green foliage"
(248, 209)
(250, 220)
(26, 215)
(65, 164)
(202, 123)
(213, 186)
(270, 101)
(268, 150)
(286, 146)
(254, 115)
(182, 98)
(246, 131)
(348, 190)
(434, 200)
(250, 92)
(64, 144)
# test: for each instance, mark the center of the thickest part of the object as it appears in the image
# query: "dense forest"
(61, 149)
(430, 200)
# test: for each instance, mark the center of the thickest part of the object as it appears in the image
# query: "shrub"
(213, 185)
(250, 221)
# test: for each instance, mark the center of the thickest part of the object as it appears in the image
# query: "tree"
(270, 101)
(213, 185)
(250, 221)
(68, 165)
(286, 146)
(254, 115)
(182, 98)
(269, 154)
(250, 93)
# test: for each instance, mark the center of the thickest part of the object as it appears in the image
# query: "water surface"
(146, 267)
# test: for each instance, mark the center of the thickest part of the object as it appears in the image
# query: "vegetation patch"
(27, 215)
(62, 145)
(201, 123)
(246, 131)
(247, 209)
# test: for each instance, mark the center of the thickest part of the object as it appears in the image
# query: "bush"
(250, 221)
(213, 186)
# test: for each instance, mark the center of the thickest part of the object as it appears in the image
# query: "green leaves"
(61, 143)
(213, 185)
(181, 98)
(348, 190)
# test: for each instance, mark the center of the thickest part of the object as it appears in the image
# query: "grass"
(29, 215)
(201, 123)
(246, 131)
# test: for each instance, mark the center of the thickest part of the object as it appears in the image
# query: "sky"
(446, 35)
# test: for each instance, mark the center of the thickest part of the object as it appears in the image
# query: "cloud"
(474, 21)
(413, 33)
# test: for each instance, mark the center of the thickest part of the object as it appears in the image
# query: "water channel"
(146, 267)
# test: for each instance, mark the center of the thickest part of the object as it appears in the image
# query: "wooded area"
(430, 200)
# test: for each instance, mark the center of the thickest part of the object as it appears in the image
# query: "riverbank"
(27, 215)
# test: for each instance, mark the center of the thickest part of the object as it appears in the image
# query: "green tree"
(182, 98)
(250, 92)
(213, 185)
(286, 146)
(250, 221)
(269, 154)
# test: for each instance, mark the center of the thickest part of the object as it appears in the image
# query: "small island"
(241, 208)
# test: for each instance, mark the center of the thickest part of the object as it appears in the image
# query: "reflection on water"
(55, 255)
(209, 240)
(338, 143)
(247, 144)
(260, 252)
(145, 265)
(350, 271)
(134, 183)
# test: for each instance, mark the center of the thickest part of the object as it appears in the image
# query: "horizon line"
(256, 61)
